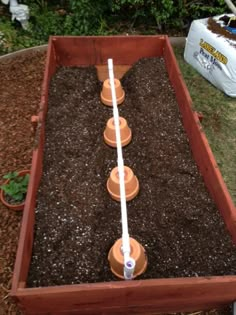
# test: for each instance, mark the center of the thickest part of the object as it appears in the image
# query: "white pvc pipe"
(129, 262)
(231, 6)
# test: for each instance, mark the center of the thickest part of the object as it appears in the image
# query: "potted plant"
(13, 191)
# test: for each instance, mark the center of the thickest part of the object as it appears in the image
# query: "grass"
(219, 122)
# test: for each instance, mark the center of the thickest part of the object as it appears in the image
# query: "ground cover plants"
(102, 17)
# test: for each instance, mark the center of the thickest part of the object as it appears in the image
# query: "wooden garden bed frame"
(122, 297)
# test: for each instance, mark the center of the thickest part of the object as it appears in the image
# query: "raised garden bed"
(180, 294)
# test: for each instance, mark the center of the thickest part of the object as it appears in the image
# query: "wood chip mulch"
(20, 86)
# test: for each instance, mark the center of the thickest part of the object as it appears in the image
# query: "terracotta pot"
(106, 96)
(16, 207)
(116, 258)
(110, 132)
(131, 184)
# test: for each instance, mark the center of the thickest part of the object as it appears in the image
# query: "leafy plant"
(17, 186)
(87, 15)
(12, 38)
(200, 9)
(166, 14)
(7, 36)
(45, 23)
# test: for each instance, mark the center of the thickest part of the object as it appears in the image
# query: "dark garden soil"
(12, 201)
(217, 29)
(21, 80)
(77, 222)
(20, 101)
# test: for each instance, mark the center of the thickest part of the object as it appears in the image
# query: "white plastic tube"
(231, 6)
(129, 262)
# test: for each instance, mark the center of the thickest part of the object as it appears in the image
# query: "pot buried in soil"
(116, 258)
(110, 132)
(131, 184)
(106, 96)
(16, 206)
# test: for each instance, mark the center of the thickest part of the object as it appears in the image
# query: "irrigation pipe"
(231, 6)
(129, 262)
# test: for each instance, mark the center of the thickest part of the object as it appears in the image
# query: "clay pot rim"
(128, 174)
(16, 207)
(130, 196)
(109, 132)
(111, 143)
(116, 82)
(106, 96)
(108, 102)
(133, 243)
(111, 122)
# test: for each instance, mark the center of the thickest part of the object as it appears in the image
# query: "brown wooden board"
(199, 145)
(137, 296)
(119, 71)
(124, 50)
(121, 297)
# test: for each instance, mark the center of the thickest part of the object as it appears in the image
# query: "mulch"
(20, 86)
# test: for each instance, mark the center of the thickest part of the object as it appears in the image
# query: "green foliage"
(17, 186)
(102, 17)
(167, 13)
(87, 17)
(69, 17)
(199, 9)
(12, 39)
(7, 37)
(163, 11)
(45, 24)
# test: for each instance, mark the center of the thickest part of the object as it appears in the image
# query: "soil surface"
(10, 221)
(77, 222)
(21, 80)
(12, 201)
(217, 29)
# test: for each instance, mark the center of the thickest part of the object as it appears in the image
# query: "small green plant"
(16, 188)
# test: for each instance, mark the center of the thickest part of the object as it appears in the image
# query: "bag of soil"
(211, 49)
